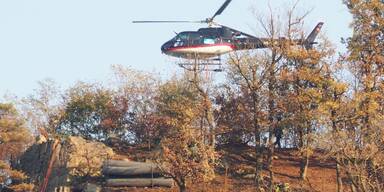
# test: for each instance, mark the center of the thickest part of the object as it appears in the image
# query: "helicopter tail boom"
(310, 40)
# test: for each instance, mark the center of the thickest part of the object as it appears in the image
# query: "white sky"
(76, 40)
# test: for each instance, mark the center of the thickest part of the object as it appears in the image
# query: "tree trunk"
(338, 176)
(354, 181)
(270, 166)
(182, 185)
(271, 149)
(335, 130)
(258, 149)
(305, 144)
(271, 118)
(182, 188)
(304, 165)
(302, 161)
(258, 156)
(258, 166)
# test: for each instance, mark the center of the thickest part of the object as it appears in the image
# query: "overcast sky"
(76, 40)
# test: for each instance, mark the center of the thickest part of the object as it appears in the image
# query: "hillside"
(321, 173)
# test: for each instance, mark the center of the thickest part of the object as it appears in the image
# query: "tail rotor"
(310, 40)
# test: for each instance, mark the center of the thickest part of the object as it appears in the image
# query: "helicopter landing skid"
(213, 64)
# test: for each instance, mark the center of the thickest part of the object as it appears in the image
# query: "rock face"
(86, 158)
(64, 161)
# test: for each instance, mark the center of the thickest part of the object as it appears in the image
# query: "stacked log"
(134, 174)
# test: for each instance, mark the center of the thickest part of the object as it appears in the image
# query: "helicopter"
(216, 39)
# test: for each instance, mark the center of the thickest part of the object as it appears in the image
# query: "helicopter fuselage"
(212, 42)
(207, 42)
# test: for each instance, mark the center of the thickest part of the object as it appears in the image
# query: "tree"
(336, 111)
(249, 72)
(125, 110)
(204, 87)
(306, 75)
(14, 138)
(93, 112)
(360, 139)
(272, 68)
(184, 155)
(43, 108)
(233, 117)
(139, 90)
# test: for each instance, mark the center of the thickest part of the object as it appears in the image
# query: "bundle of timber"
(134, 174)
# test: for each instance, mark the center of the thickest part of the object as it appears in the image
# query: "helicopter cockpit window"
(209, 40)
(183, 36)
(181, 39)
(194, 38)
(187, 38)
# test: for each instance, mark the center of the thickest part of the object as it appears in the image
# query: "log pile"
(134, 174)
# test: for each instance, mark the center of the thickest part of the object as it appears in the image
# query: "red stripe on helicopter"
(202, 46)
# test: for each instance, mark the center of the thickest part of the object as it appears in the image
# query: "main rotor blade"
(167, 21)
(222, 8)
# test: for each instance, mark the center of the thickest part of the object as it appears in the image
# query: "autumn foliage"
(286, 97)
